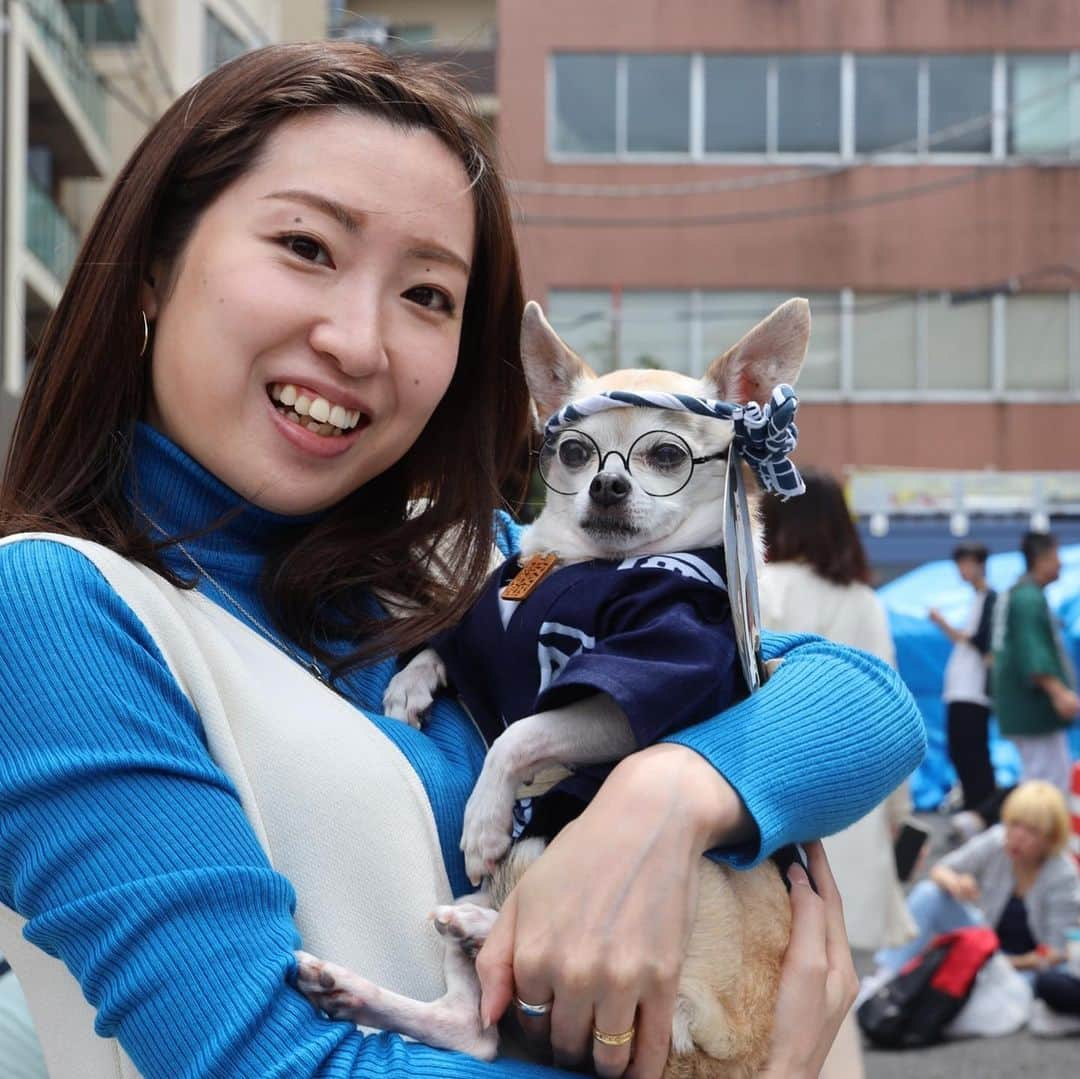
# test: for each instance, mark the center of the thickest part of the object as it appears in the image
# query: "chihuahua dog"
(612, 629)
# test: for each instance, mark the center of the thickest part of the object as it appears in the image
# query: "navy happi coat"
(653, 632)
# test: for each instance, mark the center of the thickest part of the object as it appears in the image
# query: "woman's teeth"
(315, 413)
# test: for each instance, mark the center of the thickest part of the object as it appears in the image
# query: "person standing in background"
(1033, 679)
(817, 580)
(966, 687)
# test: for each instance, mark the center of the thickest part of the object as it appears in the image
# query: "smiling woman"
(339, 285)
(259, 455)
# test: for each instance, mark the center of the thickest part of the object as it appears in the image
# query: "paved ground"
(984, 1058)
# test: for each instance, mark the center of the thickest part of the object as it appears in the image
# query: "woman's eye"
(306, 248)
(432, 298)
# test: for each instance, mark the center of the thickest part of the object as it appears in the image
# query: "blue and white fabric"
(765, 435)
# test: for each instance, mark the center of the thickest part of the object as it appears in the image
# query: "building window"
(885, 343)
(957, 344)
(411, 38)
(736, 98)
(886, 103)
(584, 103)
(658, 104)
(700, 106)
(1037, 342)
(960, 91)
(891, 346)
(655, 330)
(808, 104)
(115, 22)
(583, 319)
(1044, 105)
(220, 43)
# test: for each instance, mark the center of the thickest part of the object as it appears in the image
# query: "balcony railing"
(62, 42)
(49, 234)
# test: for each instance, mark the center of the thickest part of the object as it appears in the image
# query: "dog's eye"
(667, 456)
(573, 453)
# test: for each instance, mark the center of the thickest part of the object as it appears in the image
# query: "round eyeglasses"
(661, 462)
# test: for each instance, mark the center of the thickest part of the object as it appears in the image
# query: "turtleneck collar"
(180, 496)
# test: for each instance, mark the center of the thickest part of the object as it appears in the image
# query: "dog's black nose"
(608, 488)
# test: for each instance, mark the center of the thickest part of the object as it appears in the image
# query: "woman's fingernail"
(797, 875)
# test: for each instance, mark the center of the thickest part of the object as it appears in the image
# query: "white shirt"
(965, 673)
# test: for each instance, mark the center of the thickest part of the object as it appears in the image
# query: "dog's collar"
(764, 435)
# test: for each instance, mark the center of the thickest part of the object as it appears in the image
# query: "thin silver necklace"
(310, 664)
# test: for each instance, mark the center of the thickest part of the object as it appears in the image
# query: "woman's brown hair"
(88, 387)
(816, 528)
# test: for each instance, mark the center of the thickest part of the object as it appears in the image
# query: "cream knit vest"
(362, 853)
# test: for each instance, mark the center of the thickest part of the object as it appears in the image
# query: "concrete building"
(82, 82)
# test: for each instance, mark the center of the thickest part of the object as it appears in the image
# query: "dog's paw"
(485, 841)
(465, 925)
(411, 691)
(339, 992)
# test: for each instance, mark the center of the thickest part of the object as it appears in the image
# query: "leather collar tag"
(529, 576)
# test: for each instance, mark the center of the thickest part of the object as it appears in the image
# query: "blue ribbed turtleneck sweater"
(105, 776)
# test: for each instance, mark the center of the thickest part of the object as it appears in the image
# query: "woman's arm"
(127, 851)
(827, 737)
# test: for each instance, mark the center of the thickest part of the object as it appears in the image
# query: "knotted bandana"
(764, 434)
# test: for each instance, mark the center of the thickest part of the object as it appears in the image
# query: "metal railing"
(63, 44)
(49, 234)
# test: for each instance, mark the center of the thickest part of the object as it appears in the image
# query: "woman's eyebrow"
(341, 213)
(349, 221)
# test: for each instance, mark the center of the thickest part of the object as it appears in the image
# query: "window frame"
(846, 392)
(848, 94)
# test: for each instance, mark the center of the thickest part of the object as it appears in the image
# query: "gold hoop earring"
(145, 333)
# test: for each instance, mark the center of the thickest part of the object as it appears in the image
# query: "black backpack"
(913, 1008)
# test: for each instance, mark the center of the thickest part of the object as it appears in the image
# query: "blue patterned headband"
(764, 436)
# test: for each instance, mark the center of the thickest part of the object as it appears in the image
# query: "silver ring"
(533, 1009)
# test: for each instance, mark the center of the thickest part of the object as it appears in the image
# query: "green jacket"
(1025, 646)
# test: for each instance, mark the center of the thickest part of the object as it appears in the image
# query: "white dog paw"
(412, 690)
(464, 924)
(339, 992)
(485, 840)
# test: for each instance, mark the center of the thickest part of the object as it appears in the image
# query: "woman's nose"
(351, 336)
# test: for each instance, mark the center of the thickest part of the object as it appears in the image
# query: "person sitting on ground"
(1015, 877)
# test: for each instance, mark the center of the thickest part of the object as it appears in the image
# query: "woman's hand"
(599, 924)
(817, 982)
(1042, 958)
(963, 887)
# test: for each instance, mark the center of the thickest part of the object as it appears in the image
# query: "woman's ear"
(148, 292)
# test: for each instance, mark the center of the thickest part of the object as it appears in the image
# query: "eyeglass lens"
(660, 461)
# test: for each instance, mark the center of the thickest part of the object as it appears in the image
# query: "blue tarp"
(922, 651)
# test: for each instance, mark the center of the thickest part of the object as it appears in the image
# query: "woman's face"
(1025, 843)
(311, 325)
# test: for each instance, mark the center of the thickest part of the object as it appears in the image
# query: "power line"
(1010, 285)
(736, 217)
(776, 176)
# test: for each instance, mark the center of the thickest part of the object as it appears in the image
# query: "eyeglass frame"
(602, 457)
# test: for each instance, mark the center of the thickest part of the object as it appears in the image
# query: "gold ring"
(533, 1009)
(614, 1039)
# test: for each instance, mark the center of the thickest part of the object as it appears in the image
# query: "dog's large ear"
(772, 352)
(552, 368)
